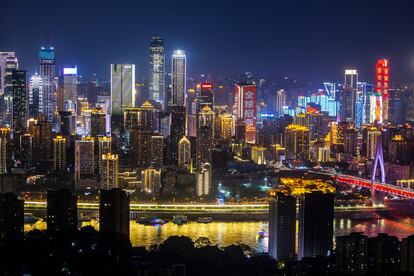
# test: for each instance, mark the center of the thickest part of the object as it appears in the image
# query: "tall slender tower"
(47, 72)
(8, 63)
(157, 70)
(178, 76)
(19, 111)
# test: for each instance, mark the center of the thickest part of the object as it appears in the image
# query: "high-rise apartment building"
(19, 111)
(114, 211)
(109, 171)
(47, 72)
(59, 154)
(151, 181)
(62, 210)
(122, 89)
(282, 226)
(8, 63)
(184, 153)
(35, 100)
(297, 142)
(205, 136)
(178, 78)
(84, 158)
(157, 70)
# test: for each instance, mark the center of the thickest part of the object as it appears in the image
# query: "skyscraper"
(177, 130)
(26, 150)
(382, 80)
(109, 171)
(35, 101)
(184, 153)
(104, 147)
(151, 181)
(205, 136)
(178, 77)
(203, 180)
(70, 90)
(62, 210)
(8, 63)
(316, 214)
(84, 158)
(297, 142)
(348, 96)
(122, 88)
(245, 108)
(282, 226)
(114, 211)
(19, 112)
(48, 75)
(157, 70)
(280, 102)
(59, 154)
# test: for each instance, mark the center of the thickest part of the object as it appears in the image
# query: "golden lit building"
(258, 155)
(299, 186)
(151, 181)
(110, 173)
(370, 140)
(226, 126)
(59, 153)
(203, 180)
(104, 147)
(184, 153)
(297, 142)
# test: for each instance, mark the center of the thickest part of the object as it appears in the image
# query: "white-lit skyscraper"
(157, 70)
(122, 88)
(280, 102)
(348, 96)
(8, 63)
(47, 72)
(35, 95)
(70, 93)
(178, 78)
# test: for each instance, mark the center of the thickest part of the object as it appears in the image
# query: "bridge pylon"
(377, 197)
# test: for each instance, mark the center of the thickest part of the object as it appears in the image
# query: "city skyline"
(286, 38)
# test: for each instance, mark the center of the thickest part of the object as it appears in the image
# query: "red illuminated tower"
(382, 80)
(245, 108)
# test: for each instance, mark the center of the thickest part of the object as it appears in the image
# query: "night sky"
(307, 40)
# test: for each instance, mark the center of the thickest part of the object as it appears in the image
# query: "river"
(227, 233)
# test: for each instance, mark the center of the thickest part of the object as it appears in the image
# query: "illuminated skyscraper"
(35, 100)
(70, 90)
(205, 96)
(205, 136)
(370, 140)
(84, 158)
(245, 108)
(98, 123)
(203, 180)
(178, 78)
(151, 181)
(122, 88)
(104, 147)
(19, 112)
(109, 172)
(59, 154)
(8, 63)
(5, 150)
(226, 122)
(348, 96)
(280, 102)
(382, 80)
(157, 70)
(48, 75)
(297, 142)
(184, 153)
